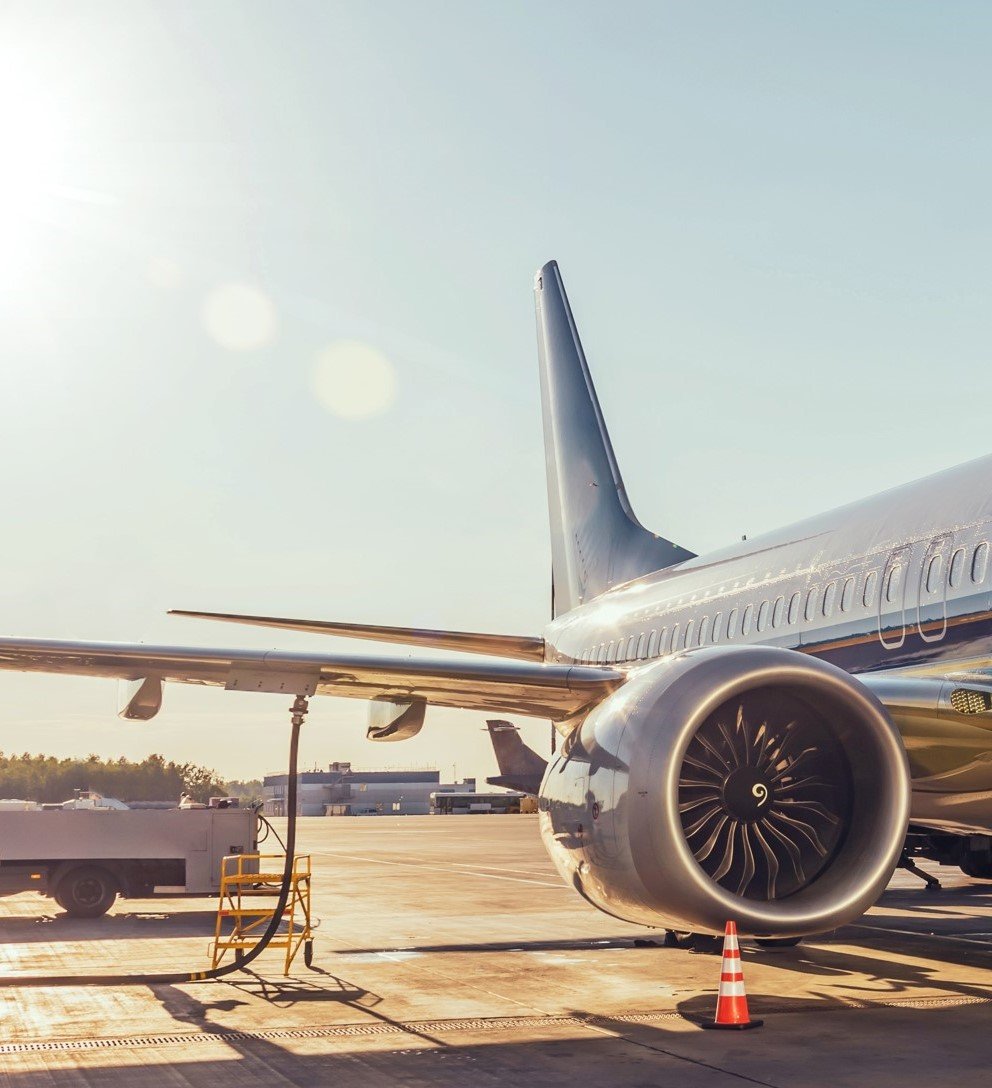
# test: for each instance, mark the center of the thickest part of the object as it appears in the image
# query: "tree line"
(48, 779)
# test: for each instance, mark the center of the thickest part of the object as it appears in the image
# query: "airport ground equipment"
(246, 881)
(85, 858)
(298, 713)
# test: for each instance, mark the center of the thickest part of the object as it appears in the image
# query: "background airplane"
(750, 733)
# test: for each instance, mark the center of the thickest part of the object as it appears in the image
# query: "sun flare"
(32, 139)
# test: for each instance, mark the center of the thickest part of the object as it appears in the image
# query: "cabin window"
(794, 607)
(688, 634)
(732, 623)
(870, 582)
(847, 595)
(933, 573)
(746, 620)
(778, 611)
(762, 615)
(957, 568)
(893, 582)
(980, 562)
(829, 595)
(717, 626)
(653, 644)
(704, 629)
(642, 642)
(810, 603)
(675, 638)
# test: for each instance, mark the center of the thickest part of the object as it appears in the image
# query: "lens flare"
(353, 380)
(239, 317)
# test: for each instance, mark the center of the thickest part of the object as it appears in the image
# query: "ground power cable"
(172, 978)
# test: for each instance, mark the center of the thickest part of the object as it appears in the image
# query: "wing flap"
(547, 691)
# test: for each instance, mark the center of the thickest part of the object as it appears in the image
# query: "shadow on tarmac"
(890, 1047)
(126, 926)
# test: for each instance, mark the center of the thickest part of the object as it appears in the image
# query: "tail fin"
(520, 767)
(596, 542)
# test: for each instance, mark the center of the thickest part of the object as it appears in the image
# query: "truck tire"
(86, 892)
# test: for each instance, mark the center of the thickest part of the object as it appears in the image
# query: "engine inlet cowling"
(751, 783)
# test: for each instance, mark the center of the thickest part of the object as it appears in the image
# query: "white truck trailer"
(85, 858)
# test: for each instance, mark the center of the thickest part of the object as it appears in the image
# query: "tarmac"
(450, 954)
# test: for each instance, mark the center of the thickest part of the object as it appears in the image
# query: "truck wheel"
(86, 892)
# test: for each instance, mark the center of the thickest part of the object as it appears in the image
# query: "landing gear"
(971, 853)
(977, 865)
(692, 942)
(907, 863)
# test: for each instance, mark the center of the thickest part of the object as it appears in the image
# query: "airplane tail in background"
(520, 767)
(596, 542)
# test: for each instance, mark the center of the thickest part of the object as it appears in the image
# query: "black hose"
(178, 977)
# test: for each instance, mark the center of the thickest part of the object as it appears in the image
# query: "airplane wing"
(522, 647)
(532, 688)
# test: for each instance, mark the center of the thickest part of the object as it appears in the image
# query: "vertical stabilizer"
(596, 542)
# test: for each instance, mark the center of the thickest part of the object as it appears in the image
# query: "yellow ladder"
(246, 878)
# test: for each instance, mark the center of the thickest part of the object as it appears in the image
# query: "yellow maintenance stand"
(246, 879)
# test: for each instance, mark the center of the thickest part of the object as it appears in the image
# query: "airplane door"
(931, 601)
(892, 598)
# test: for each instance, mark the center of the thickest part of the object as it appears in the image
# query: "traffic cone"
(731, 1002)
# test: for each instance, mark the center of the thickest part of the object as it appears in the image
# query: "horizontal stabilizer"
(519, 647)
(522, 783)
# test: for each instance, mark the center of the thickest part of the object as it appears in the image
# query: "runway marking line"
(440, 869)
(932, 936)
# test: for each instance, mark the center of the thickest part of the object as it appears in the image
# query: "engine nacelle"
(751, 783)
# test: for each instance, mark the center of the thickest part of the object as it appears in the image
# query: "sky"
(266, 317)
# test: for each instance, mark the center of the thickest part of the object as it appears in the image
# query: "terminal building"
(341, 791)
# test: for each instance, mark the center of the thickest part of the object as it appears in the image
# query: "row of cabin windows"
(956, 568)
(774, 615)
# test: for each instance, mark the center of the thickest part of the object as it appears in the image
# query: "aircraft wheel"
(308, 953)
(697, 942)
(777, 942)
(978, 866)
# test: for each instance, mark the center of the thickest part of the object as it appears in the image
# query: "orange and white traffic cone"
(731, 1002)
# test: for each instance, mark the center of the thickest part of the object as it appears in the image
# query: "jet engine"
(752, 783)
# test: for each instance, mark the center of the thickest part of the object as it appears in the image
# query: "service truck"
(85, 858)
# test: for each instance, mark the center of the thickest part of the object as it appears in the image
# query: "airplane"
(520, 767)
(761, 733)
